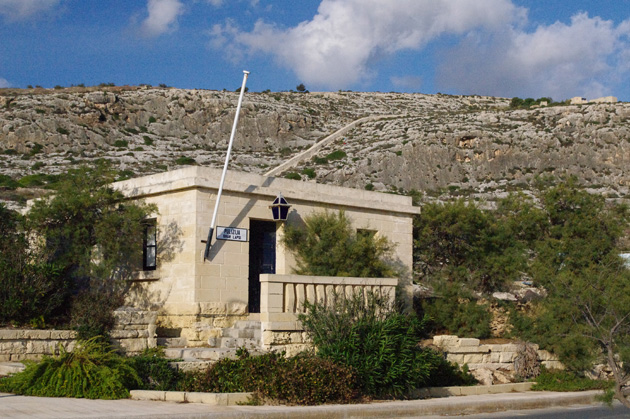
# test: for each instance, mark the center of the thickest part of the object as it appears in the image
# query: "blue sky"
(526, 48)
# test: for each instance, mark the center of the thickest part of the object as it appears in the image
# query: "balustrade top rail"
(287, 293)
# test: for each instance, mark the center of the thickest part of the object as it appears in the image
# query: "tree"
(587, 310)
(94, 236)
(457, 242)
(301, 88)
(327, 245)
(31, 290)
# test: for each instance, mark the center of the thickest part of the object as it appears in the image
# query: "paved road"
(618, 411)
(14, 407)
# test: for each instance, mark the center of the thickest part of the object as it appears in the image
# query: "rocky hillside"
(437, 144)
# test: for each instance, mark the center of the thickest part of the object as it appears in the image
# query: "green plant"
(310, 173)
(303, 379)
(94, 238)
(92, 370)
(63, 131)
(365, 332)
(336, 155)
(293, 176)
(121, 143)
(154, 370)
(152, 119)
(147, 140)
(30, 287)
(559, 380)
(183, 160)
(456, 311)
(328, 245)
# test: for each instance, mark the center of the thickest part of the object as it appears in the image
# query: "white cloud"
(162, 16)
(4, 83)
(216, 3)
(586, 57)
(22, 9)
(408, 83)
(336, 47)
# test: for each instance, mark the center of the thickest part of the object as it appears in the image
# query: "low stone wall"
(134, 332)
(492, 363)
(20, 345)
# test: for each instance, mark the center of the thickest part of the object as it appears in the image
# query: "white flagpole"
(206, 254)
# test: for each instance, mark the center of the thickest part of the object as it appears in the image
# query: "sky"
(507, 48)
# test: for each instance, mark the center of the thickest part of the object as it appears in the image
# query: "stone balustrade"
(133, 332)
(283, 297)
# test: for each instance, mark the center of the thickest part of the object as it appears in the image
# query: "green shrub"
(456, 312)
(304, 379)
(185, 160)
(147, 140)
(557, 380)
(152, 119)
(336, 155)
(320, 160)
(154, 370)
(7, 182)
(293, 176)
(29, 287)
(380, 344)
(309, 172)
(63, 131)
(91, 371)
(328, 245)
(121, 143)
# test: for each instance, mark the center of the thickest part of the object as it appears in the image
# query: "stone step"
(247, 324)
(234, 343)
(172, 342)
(199, 354)
(241, 333)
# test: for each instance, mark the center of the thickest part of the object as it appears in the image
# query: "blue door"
(262, 258)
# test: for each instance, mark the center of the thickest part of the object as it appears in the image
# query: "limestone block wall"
(487, 356)
(20, 345)
(134, 331)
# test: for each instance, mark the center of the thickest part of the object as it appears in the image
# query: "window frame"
(149, 241)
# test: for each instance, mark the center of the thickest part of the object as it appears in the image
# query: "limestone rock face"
(437, 144)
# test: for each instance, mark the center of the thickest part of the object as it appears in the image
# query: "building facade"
(248, 274)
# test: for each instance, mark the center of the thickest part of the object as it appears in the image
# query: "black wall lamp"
(280, 208)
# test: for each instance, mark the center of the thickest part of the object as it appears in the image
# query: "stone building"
(248, 274)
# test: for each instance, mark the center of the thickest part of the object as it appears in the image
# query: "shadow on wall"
(141, 292)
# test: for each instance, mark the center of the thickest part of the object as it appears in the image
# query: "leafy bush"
(455, 311)
(328, 245)
(147, 140)
(336, 155)
(29, 287)
(304, 379)
(8, 182)
(380, 344)
(94, 239)
(185, 160)
(557, 380)
(293, 176)
(121, 143)
(310, 173)
(91, 371)
(154, 370)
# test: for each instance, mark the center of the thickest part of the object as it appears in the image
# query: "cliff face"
(437, 144)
